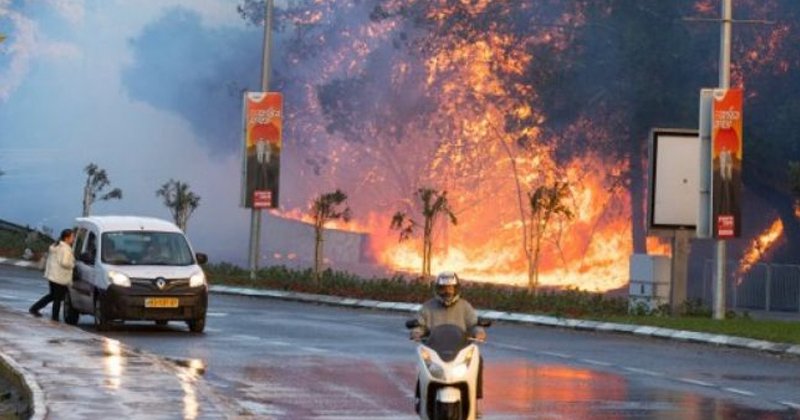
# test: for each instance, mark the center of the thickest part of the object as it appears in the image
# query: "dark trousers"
(56, 295)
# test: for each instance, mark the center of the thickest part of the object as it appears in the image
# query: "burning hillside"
(488, 101)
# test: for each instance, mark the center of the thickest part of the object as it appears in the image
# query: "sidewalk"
(72, 374)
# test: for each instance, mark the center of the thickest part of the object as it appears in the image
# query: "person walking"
(58, 271)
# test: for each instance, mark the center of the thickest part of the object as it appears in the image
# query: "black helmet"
(442, 290)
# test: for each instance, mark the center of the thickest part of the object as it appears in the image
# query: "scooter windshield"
(447, 340)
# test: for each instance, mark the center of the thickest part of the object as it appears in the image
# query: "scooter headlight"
(197, 280)
(119, 279)
(436, 370)
(433, 368)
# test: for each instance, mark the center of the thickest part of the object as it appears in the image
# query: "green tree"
(180, 201)
(434, 206)
(96, 181)
(325, 208)
(546, 203)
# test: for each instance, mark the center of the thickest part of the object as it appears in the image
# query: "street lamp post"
(255, 213)
(724, 83)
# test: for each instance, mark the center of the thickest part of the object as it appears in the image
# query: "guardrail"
(767, 287)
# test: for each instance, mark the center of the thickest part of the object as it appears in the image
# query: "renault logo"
(160, 283)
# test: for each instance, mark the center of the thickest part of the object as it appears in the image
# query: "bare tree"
(180, 200)
(434, 205)
(325, 208)
(545, 202)
(96, 181)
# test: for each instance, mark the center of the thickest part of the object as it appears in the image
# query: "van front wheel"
(197, 325)
(100, 321)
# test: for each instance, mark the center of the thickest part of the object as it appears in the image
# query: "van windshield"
(145, 248)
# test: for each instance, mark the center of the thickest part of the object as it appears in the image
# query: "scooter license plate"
(159, 302)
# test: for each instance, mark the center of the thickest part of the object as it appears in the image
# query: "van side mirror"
(201, 258)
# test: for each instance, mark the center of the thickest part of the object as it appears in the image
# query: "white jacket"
(59, 264)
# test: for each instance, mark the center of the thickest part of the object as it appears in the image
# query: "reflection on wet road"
(288, 360)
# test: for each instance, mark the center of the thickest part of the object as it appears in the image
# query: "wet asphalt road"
(290, 360)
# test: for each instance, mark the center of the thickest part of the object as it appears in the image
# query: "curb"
(530, 319)
(27, 382)
(19, 263)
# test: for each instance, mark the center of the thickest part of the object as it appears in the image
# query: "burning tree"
(180, 201)
(434, 206)
(325, 208)
(546, 202)
(794, 183)
(96, 181)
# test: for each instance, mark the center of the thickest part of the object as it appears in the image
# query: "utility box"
(649, 281)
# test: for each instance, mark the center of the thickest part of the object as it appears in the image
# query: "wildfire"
(761, 245)
(440, 117)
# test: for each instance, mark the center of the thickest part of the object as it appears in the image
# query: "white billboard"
(672, 200)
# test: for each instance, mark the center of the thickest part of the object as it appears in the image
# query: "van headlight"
(197, 280)
(119, 279)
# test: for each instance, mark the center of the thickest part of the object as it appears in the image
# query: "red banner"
(726, 163)
(262, 149)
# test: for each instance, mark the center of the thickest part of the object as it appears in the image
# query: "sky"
(125, 85)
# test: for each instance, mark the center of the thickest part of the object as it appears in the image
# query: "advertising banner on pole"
(262, 149)
(726, 163)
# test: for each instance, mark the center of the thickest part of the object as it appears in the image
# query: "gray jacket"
(433, 313)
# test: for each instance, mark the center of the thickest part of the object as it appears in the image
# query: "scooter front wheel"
(448, 411)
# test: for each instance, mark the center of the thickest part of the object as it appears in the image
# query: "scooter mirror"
(485, 323)
(412, 323)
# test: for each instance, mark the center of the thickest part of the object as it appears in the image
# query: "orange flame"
(760, 246)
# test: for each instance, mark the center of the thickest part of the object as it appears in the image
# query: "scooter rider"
(447, 307)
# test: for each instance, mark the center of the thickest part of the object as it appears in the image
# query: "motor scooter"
(447, 373)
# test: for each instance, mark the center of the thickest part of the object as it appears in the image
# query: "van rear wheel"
(71, 315)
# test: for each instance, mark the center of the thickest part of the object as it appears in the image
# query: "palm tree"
(325, 208)
(545, 203)
(434, 205)
(96, 181)
(180, 201)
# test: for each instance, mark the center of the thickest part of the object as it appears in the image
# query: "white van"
(136, 268)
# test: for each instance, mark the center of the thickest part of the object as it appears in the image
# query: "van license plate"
(155, 302)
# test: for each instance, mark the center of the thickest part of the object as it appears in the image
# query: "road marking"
(695, 382)
(313, 349)
(554, 354)
(595, 362)
(794, 405)
(508, 347)
(10, 297)
(643, 371)
(245, 337)
(217, 314)
(739, 391)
